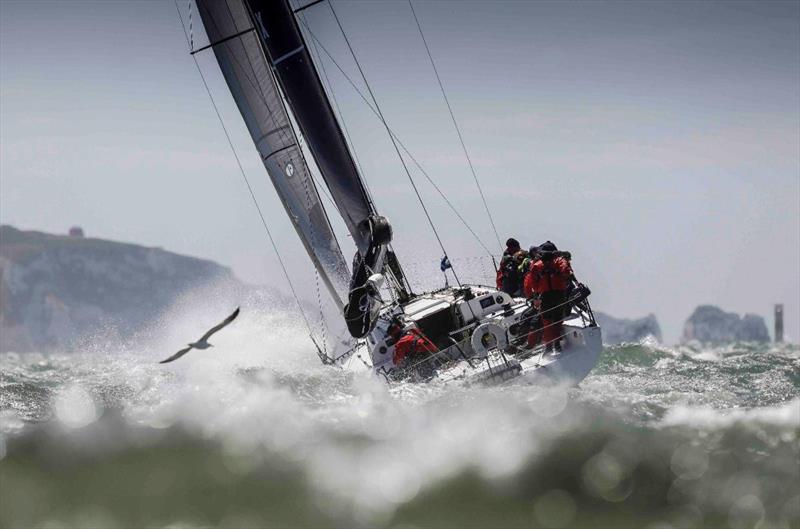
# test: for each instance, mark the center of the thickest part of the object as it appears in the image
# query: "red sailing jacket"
(411, 343)
(545, 276)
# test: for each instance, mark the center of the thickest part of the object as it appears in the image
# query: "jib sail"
(311, 108)
(299, 81)
(236, 45)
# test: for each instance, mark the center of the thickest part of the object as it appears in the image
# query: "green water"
(654, 437)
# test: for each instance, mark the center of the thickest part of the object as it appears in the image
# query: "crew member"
(531, 257)
(512, 247)
(409, 344)
(532, 317)
(549, 279)
(516, 275)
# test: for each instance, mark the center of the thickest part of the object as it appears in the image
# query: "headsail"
(236, 45)
(312, 110)
(295, 72)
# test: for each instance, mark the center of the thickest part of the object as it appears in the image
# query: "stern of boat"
(579, 356)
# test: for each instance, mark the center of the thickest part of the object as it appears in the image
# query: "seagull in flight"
(202, 343)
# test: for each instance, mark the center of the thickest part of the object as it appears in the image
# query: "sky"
(658, 142)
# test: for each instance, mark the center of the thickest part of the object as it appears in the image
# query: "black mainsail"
(236, 45)
(263, 55)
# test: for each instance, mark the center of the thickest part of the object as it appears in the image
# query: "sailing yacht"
(477, 330)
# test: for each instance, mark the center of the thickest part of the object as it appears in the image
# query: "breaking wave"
(256, 433)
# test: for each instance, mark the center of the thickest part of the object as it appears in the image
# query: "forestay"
(230, 30)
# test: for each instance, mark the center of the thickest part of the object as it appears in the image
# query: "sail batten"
(249, 77)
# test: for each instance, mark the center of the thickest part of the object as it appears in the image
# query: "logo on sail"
(289, 169)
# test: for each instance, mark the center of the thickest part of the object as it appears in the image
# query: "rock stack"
(618, 330)
(711, 325)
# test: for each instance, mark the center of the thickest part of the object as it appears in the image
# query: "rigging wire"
(383, 120)
(391, 136)
(399, 142)
(249, 187)
(191, 26)
(455, 124)
(348, 138)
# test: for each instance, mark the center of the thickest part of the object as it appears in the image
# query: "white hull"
(569, 367)
(458, 359)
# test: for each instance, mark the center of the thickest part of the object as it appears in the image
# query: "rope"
(391, 136)
(322, 323)
(396, 138)
(316, 272)
(191, 30)
(249, 187)
(455, 124)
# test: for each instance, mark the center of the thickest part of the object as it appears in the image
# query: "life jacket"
(411, 343)
(524, 267)
(544, 276)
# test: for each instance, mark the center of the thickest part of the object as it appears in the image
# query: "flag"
(445, 264)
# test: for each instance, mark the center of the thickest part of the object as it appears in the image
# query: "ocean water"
(255, 433)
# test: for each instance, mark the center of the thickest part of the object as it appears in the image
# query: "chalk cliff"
(55, 289)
